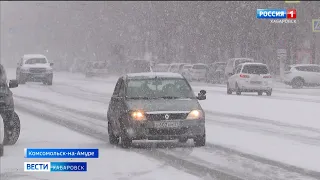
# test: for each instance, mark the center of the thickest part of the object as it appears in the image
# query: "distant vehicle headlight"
(138, 115)
(195, 114)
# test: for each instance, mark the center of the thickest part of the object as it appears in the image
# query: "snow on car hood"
(164, 104)
(37, 66)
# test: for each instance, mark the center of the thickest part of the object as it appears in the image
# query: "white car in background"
(300, 75)
(176, 67)
(199, 71)
(250, 77)
(186, 71)
(161, 67)
(233, 63)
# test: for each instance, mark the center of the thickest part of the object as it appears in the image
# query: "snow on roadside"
(113, 163)
(286, 111)
(262, 140)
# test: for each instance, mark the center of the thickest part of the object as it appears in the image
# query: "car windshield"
(255, 69)
(199, 66)
(36, 61)
(167, 88)
(241, 61)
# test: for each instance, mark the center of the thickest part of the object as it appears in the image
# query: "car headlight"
(195, 114)
(138, 115)
(49, 70)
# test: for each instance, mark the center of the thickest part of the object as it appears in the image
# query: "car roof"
(150, 75)
(29, 56)
(235, 59)
(250, 63)
(300, 65)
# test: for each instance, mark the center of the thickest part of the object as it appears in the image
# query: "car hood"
(164, 104)
(37, 66)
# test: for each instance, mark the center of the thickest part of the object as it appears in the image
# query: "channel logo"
(316, 25)
(276, 13)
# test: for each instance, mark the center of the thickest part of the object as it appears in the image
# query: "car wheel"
(229, 91)
(259, 93)
(238, 90)
(112, 138)
(1, 150)
(269, 93)
(297, 83)
(200, 141)
(49, 82)
(126, 142)
(11, 128)
(183, 140)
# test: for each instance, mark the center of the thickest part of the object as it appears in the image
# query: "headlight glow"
(195, 114)
(138, 115)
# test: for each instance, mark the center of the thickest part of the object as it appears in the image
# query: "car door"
(112, 110)
(233, 78)
(316, 74)
(307, 73)
(19, 64)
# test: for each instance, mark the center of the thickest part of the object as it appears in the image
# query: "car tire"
(229, 91)
(1, 150)
(238, 90)
(297, 83)
(112, 138)
(49, 82)
(200, 141)
(126, 142)
(269, 93)
(11, 128)
(183, 140)
(260, 93)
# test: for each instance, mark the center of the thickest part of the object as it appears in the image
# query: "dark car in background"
(11, 121)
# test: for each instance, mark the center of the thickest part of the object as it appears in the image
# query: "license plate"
(38, 75)
(255, 82)
(166, 124)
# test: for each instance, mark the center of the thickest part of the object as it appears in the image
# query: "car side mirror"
(51, 64)
(202, 95)
(13, 84)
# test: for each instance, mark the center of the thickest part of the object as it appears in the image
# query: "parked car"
(250, 77)
(34, 67)
(96, 68)
(152, 106)
(176, 67)
(199, 71)
(233, 63)
(161, 67)
(138, 66)
(214, 72)
(300, 75)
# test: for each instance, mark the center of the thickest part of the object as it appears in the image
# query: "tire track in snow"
(210, 148)
(172, 160)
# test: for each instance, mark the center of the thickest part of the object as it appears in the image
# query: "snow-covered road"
(251, 137)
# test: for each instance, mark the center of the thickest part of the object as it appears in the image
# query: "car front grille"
(37, 70)
(168, 116)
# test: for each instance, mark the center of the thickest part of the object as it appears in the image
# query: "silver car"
(155, 106)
